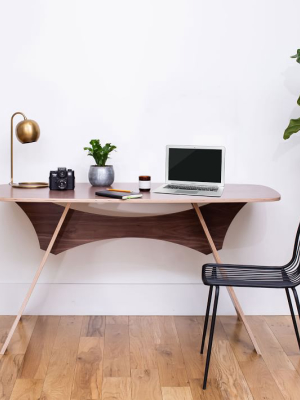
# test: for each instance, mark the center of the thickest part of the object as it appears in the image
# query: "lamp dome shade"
(27, 131)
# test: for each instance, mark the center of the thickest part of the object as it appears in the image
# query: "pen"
(119, 190)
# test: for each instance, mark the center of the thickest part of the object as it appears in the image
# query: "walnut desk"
(59, 227)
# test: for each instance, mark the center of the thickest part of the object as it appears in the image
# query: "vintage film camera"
(62, 179)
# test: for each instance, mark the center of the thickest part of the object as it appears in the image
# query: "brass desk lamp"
(27, 131)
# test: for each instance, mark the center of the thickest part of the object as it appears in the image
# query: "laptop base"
(205, 193)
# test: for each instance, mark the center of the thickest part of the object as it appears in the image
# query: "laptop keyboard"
(188, 187)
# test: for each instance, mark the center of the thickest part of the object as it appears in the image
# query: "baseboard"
(134, 299)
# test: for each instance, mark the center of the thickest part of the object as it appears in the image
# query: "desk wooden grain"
(85, 193)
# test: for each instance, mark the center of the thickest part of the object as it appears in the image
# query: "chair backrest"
(293, 267)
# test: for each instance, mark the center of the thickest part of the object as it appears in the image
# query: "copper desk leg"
(231, 292)
(35, 279)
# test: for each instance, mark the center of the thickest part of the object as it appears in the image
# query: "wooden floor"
(147, 358)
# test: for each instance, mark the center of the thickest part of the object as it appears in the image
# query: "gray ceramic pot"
(101, 176)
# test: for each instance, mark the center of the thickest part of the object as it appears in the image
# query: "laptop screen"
(195, 165)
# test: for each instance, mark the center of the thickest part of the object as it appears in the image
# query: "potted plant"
(294, 125)
(100, 174)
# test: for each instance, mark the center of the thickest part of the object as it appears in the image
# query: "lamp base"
(30, 185)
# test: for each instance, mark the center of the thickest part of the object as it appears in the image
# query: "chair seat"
(246, 276)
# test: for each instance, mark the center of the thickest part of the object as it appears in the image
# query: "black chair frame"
(215, 275)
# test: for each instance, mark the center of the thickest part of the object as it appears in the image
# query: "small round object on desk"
(144, 183)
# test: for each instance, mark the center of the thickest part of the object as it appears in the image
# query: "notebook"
(119, 195)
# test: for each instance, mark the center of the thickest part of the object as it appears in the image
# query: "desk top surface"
(85, 193)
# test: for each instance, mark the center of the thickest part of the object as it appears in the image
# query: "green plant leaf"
(100, 154)
(298, 101)
(297, 56)
(294, 127)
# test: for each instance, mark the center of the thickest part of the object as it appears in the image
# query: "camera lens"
(62, 172)
(62, 184)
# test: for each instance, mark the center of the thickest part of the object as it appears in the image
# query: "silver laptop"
(194, 171)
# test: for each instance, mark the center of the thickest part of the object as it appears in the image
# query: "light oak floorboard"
(283, 329)
(9, 368)
(27, 389)
(142, 343)
(169, 356)
(117, 319)
(6, 322)
(116, 359)
(116, 389)
(177, 393)
(229, 376)
(93, 326)
(88, 375)
(37, 357)
(190, 336)
(254, 368)
(165, 330)
(148, 358)
(171, 367)
(60, 374)
(211, 393)
(260, 380)
(22, 335)
(278, 362)
(145, 384)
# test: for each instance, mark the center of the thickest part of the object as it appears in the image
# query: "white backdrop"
(144, 74)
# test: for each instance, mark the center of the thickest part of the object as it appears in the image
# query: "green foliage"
(100, 154)
(294, 125)
(297, 56)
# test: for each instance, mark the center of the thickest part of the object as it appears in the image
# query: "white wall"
(143, 74)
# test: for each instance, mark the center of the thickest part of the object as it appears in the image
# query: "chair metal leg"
(296, 300)
(206, 318)
(298, 306)
(292, 313)
(211, 336)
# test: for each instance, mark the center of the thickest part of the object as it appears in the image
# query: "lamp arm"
(12, 145)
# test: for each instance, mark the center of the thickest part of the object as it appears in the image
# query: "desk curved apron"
(80, 227)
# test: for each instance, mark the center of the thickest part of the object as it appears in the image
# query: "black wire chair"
(216, 275)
